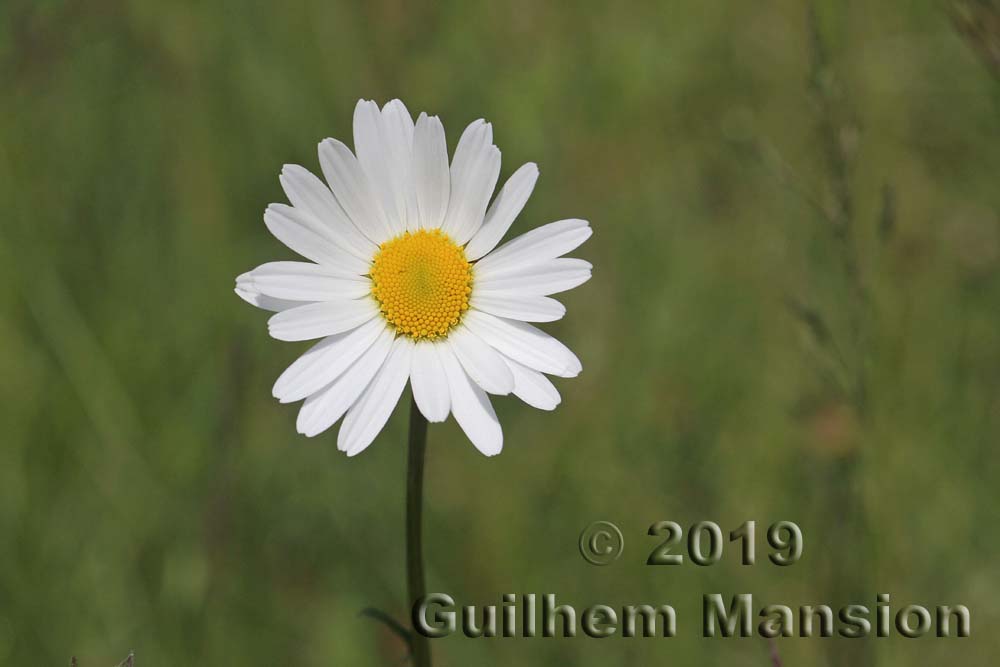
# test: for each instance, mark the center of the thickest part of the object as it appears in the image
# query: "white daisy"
(405, 282)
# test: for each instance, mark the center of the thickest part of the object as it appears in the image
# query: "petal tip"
(245, 295)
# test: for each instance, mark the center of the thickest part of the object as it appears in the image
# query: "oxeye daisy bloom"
(406, 282)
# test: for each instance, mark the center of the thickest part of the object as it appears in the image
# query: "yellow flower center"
(422, 283)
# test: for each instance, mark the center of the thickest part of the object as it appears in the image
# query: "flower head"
(405, 281)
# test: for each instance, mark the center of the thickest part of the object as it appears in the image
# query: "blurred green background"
(795, 314)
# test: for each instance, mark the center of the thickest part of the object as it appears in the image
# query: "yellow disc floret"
(422, 283)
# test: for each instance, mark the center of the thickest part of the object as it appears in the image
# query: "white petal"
(555, 275)
(325, 407)
(505, 208)
(325, 361)
(430, 171)
(474, 172)
(429, 383)
(370, 413)
(524, 343)
(307, 236)
(471, 407)
(481, 362)
(475, 137)
(537, 246)
(316, 320)
(532, 387)
(301, 281)
(353, 192)
(375, 157)
(397, 129)
(247, 290)
(527, 308)
(255, 298)
(310, 194)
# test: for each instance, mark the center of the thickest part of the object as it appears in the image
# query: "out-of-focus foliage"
(795, 314)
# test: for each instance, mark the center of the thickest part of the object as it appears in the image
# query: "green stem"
(416, 588)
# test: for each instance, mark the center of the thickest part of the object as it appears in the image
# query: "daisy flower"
(406, 282)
